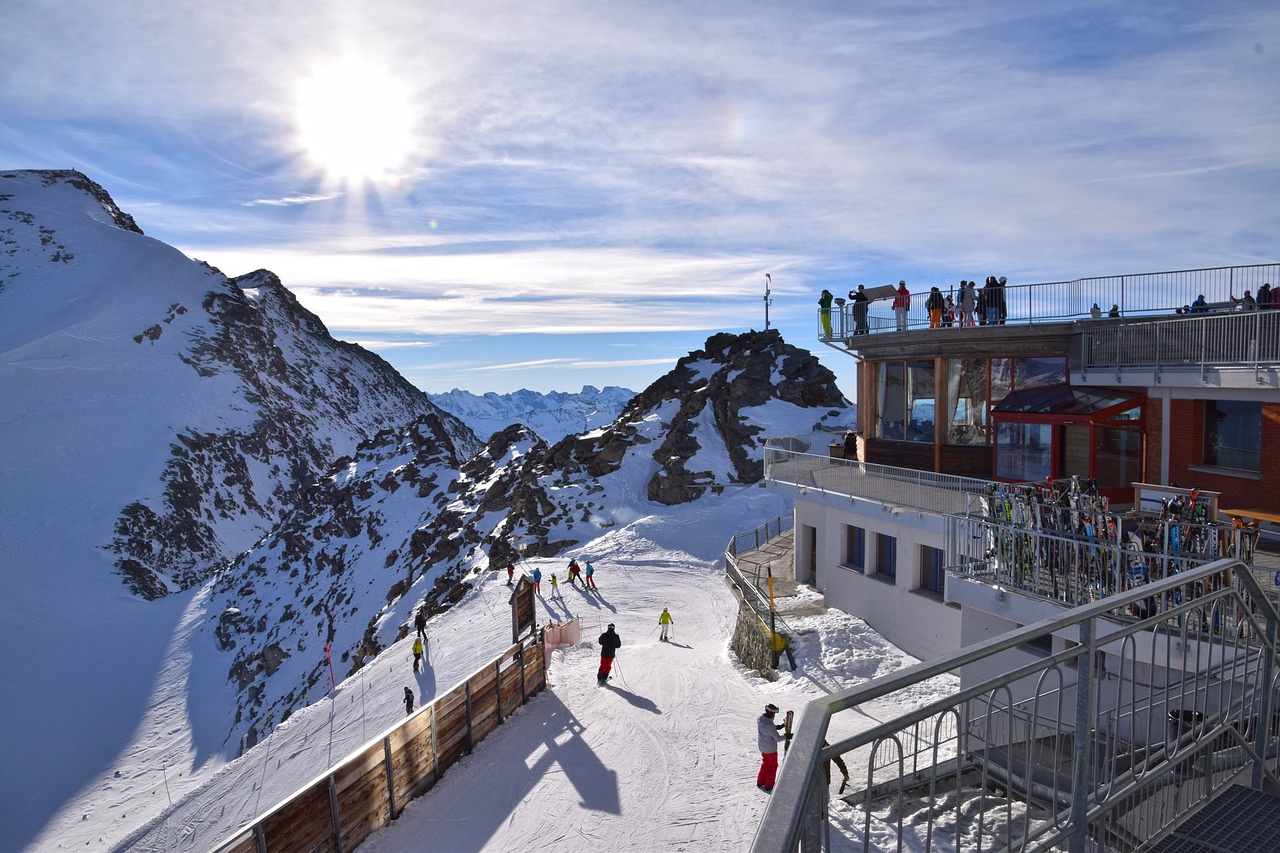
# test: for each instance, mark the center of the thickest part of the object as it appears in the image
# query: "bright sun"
(355, 121)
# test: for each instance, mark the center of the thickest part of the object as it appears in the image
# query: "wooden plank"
(304, 824)
(363, 810)
(246, 842)
(354, 769)
(412, 762)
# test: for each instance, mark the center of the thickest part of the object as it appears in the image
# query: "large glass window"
(1023, 451)
(1001, 379)
(1233, 434)
(967, 401)
(891, 402)
(1037, 372)
(920, 391)
(1117, 457)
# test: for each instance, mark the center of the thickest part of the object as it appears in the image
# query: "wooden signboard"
(524, 613)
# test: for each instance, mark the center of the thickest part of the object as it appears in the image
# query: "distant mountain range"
(552, 416)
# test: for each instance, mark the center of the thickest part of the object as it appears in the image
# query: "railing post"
(333, 814)
(391, 776)
(1081, 775)
(471, 745)
(1263, 734)
(497, 685)
(814, 816)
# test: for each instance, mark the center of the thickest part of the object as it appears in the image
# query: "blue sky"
(496, 195)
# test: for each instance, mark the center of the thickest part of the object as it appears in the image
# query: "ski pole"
(619, 669)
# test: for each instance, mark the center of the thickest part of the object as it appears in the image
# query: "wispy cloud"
(287, 201)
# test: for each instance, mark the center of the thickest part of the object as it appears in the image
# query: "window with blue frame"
(855, 548)
(932, 576)
(886, 556)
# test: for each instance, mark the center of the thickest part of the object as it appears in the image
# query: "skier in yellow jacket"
(665, 620)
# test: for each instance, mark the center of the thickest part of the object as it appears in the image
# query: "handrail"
(792, 460)
(1216, 643)
(1246, 340)
(1141, 294)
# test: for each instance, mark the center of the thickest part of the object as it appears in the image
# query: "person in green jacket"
(824, 311)
(665, 620)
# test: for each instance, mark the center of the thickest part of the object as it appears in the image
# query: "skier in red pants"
(767, 737)
(609, 643)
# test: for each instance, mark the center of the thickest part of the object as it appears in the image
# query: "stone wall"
(751, 642)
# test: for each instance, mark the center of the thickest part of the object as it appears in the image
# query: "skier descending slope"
(665, 620)
(609, 643)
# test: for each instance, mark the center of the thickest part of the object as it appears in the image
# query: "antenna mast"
(768, 280)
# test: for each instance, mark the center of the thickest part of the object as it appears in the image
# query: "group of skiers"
(586, 574)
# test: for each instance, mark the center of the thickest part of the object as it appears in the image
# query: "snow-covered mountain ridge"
(552, 416)
(194, 407)
(277, 493)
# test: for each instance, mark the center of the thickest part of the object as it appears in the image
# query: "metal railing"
(804, 461)
(752, 540)
(1078, 568)
(1178, 706)
(1246, 340)
(749, 587)
(1143, 294)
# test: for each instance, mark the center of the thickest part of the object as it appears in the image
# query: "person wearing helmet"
(768, 735)
(665, 620)
(609, 644)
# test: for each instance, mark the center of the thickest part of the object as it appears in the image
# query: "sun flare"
(355, 121)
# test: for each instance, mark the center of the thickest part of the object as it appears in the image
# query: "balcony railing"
(804, 461)
(1248, 340)
(1177, 707)
(1141, 295)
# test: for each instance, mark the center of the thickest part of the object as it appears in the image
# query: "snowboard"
(786, 730)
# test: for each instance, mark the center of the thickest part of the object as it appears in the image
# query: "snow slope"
(663, 757)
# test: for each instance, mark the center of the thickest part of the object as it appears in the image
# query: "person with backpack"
(768, 736)
(935, 304)
(665, 621)
(610, 642)
(417, 653)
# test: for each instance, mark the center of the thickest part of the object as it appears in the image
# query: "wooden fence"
(370, 787)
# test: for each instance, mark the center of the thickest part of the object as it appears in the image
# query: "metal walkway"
(1240, 820)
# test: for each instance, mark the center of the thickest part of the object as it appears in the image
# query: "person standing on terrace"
(1200, 306)
(901, 305)
(824, 311)
(935, 305)
(968, 303)
(860, 305)
(1266, 297)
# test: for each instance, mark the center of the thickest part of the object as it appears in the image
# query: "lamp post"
(768, 280)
